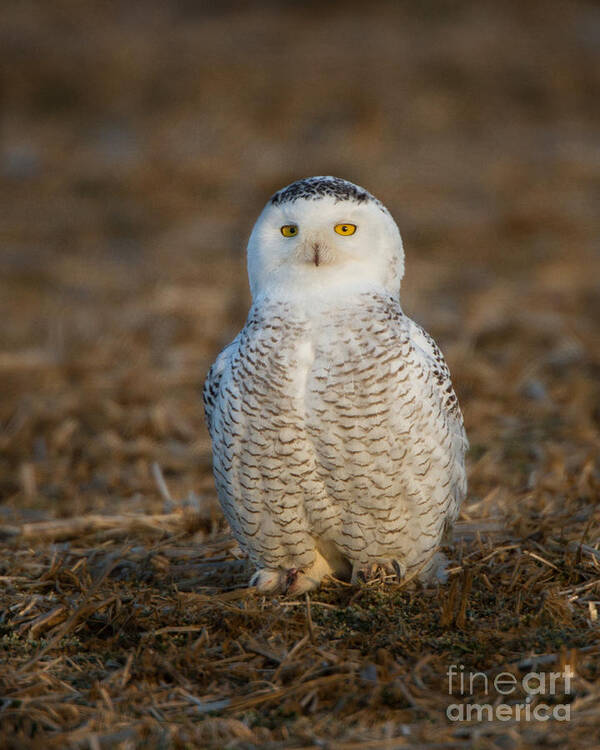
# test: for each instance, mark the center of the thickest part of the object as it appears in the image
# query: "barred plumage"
(338, 443)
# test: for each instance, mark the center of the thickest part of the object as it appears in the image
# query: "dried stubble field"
(139, 143)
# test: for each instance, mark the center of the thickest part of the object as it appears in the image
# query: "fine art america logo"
(530, 698)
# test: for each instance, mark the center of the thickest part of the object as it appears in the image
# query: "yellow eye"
(289, 230)
(345, 229)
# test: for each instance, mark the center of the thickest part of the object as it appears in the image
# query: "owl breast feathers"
(338, 442)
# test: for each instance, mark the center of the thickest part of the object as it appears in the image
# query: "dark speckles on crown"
(314, 188)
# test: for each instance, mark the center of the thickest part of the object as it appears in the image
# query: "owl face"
(326, 235)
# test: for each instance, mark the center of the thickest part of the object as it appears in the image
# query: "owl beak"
(314, 251)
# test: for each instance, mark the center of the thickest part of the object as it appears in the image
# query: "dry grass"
(134, 159)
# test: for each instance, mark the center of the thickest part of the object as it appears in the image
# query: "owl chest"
(313, 381)
(271, 373)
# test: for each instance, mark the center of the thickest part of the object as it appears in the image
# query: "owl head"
(326, 236)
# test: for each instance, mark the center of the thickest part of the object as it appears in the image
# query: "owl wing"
(210, 392)
(436, 370)
(445, 423)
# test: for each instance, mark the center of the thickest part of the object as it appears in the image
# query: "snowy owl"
(338, 441)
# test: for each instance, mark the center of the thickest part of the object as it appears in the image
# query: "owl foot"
(299, 582)
(268, 580)
(292, 581)
(380, 571)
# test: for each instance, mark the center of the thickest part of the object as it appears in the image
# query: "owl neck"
(323, 298)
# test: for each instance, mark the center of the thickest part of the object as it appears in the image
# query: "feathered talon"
(378, 571)
(267, 580)
(291, 582)
(399, 569)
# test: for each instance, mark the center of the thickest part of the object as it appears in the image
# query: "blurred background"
(140, 140)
